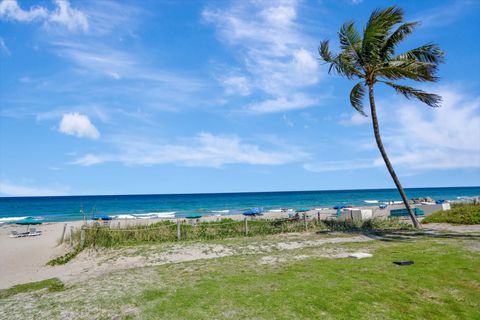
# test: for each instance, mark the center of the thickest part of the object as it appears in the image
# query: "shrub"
(459, 214)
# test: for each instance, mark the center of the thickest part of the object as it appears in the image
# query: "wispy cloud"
(341, 165)
(63, 14)
(4, 48)
(202, 150)
(353, 119)
(442, 138)
(276, 54)
(78, 125)
(446, 14)
(17, 190)
(118, 64)
(296, 101)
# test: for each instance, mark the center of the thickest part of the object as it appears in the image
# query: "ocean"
(67, 208)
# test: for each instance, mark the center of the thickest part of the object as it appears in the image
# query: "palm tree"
(372, 59)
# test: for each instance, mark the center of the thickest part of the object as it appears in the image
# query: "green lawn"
(444, 283)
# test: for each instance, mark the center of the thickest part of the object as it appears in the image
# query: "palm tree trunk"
(376, 131)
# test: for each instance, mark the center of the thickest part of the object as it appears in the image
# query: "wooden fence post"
(63, 233)
(71, 235)
(305, 221)
(82, 237)
(246, 227)
(179, 234)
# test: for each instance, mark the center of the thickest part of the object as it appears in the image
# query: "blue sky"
(124, 97)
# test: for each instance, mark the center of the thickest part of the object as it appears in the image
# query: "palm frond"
(430, 99)
(430, 53)
(409, 69)
(395, 38)
(346, 66)
(356, 96)
(324, 51)
(351, 41)
(377, 31)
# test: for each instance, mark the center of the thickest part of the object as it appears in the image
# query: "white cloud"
(16, 190)
(342, 165)
(63, 14)
(236, 85)
(78, 125)
(72, 18)
(353, 119)
(444, 138)
(204, 149)
(276, 55)
(297, 101)
(3, 47)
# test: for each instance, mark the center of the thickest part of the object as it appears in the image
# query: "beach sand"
(24, 259)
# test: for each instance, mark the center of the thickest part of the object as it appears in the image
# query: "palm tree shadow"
(404, 236)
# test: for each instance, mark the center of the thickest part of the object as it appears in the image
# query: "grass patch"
(65, 258)
(444, 283)
(459, 214)
(53, 284)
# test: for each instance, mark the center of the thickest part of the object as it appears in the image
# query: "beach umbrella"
(28, 221)
(339, 207)
(253, 212)
(104, 218)
(302, 210)
(193, 216)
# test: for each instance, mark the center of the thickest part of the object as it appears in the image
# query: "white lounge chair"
(16, 234)
(33, 232)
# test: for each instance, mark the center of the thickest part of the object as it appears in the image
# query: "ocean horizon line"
(229, 192)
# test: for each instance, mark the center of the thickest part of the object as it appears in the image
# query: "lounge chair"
(16, 234)
(33, 232)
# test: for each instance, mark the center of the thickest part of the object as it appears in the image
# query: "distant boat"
(370, 201)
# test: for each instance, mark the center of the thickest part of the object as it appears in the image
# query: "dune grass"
(227, 228)
(53, 284)
(459, 214)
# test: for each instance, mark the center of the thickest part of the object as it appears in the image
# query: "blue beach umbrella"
(253, 212)
(104, 218)
(302, 210)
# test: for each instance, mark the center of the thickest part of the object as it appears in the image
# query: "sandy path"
(22, 259)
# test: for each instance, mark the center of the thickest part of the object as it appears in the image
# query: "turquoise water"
(68, 208)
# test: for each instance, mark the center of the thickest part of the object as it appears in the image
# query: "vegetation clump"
(65, 258)
(459, 214)
(53, 284)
